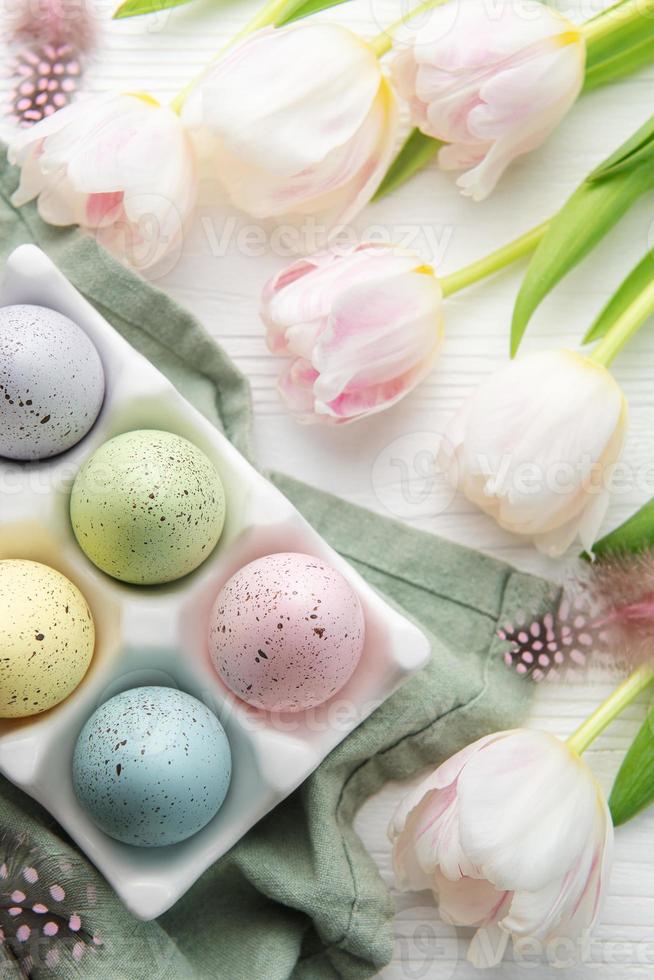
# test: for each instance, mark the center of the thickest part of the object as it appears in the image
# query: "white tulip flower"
(534, 445)
(513, 836)
(299, 120)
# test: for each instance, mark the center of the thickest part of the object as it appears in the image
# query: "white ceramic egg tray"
(158, 635)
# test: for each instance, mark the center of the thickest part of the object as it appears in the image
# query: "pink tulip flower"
(363, 327)
(492, 81)
(122, 167)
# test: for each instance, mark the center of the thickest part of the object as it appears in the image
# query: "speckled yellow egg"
(47, 638)
(148, 507)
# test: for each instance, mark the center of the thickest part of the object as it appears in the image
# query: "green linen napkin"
(298, 897)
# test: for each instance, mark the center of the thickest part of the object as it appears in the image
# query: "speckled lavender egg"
(152, 766)
(286, 632)
(148, 507)
(51, 383)
(47, 638)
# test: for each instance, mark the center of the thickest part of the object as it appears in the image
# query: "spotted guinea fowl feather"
(605, 612)
(49, 42)
(41, 926)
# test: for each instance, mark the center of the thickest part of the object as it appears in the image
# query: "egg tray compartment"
(158, 635)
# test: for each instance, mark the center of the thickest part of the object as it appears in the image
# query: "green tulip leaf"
(304, 8)
(133, 8)
(631, 537)
(633, 789)
(415, 154)
(587, 216)
(632, 153)
(630, 289)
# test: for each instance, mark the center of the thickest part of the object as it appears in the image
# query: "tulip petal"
(405, 73)
(334, 188)
(289, 96)
(583, 527)
(375, 147)
(487, 947)
(378, 331)
(545, 830)
(296, 303)
(85, 126)
(533, 444)
(301, 120)
(513, 121)
(296, 388)
(512, 835)
(459, 156)
(567, 907)
(415, 855)
(26, 140)
(491, 83)
(32, 180)
(58, 204)
(431, 840)
(365, 327)
(586, 911)
(91, 164)
(446, 774)
(424, 829)
(469, 901)
(509, 99)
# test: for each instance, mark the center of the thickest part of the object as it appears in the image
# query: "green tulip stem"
(383, 42)
(625, 326)
(616, 17)
(497, 260)
(267, 15)
(623, 695)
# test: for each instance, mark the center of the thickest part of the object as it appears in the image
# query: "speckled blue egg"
(51, 383)
(152, 766)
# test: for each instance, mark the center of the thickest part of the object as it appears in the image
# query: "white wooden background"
(219, 280)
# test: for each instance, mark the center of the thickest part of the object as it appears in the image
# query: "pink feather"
(50, 41)
(620, 588)
(603, 614)
(43, 914)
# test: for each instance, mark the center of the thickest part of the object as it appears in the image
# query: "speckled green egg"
(47, 638)
(148, 507)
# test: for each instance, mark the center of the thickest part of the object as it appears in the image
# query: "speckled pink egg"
(286, 632)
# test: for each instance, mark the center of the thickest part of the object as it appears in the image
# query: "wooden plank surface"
(381, 463)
